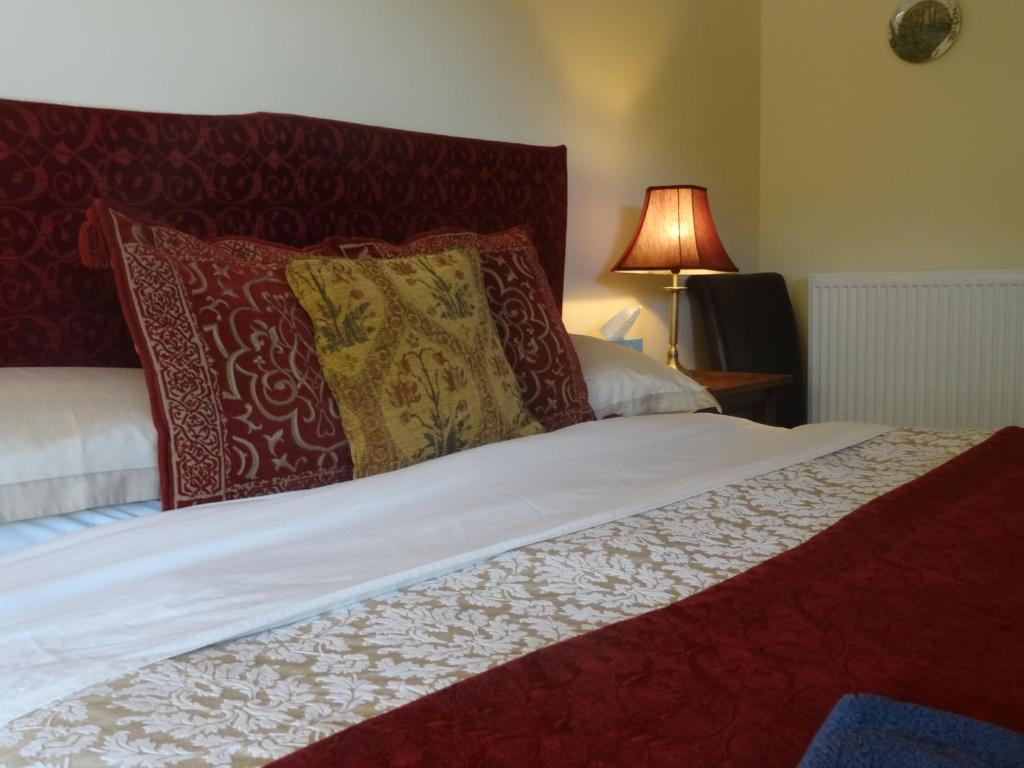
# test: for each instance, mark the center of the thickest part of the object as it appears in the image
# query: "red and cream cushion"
(525, 312)
(240, 405)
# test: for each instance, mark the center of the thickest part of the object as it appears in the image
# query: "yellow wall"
(653, 92)
(871, 163)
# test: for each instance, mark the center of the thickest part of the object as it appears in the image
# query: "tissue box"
(637, 344)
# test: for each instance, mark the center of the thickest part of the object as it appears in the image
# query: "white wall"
(647, 92)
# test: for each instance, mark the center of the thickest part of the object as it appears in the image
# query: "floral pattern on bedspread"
(252, 700)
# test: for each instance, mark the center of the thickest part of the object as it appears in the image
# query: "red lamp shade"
(676, 234)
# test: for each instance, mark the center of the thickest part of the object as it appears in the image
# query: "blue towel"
(866, 731)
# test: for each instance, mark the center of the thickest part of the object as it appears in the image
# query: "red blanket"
(918, 595)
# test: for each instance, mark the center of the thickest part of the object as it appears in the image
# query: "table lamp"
(676, 235)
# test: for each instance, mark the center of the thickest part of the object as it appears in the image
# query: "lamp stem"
(673, 323)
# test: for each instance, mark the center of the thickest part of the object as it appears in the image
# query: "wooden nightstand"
(749, 395)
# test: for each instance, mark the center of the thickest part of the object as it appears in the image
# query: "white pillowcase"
(73, 439)
(629, 383)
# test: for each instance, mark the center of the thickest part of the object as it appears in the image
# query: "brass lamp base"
(674, 290)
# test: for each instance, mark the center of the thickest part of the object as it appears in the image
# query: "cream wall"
(871, 163)
(652, 92)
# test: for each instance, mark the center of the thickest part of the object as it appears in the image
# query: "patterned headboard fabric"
(284, 178)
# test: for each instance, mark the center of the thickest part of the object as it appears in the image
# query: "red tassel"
(92, 243)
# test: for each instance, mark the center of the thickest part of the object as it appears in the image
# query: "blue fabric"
(22, 533)
(866, 731)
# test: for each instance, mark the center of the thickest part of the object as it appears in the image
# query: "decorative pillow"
(624, 382)
(240, 406)
(525, 312)
(74, 439)
(411, 353)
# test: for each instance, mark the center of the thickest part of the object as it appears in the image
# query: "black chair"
(749, 326)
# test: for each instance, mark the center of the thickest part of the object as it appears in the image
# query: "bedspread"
(259, 698)
(917, 595)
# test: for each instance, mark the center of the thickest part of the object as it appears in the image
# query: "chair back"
(749, 326)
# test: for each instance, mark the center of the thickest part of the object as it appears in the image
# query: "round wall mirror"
(922, 30)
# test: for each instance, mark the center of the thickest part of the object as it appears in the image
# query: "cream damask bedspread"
(249, 701)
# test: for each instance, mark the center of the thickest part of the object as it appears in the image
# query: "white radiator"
(930, 349)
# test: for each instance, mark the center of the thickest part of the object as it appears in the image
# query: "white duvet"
(96, 604)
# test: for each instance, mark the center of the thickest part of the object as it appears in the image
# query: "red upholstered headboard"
(284, 178)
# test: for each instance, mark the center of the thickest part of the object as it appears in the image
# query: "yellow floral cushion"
(411, 353)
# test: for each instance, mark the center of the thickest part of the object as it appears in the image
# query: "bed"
(393, 619)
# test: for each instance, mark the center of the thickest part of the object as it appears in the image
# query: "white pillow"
(72, 439)
(629, 383)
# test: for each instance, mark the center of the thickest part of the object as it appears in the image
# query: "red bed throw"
(918, 595)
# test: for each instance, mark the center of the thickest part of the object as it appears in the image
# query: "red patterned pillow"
(529, 324)
(240, 405)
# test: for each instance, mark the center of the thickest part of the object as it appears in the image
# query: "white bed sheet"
(25, 533)
(92, 605)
